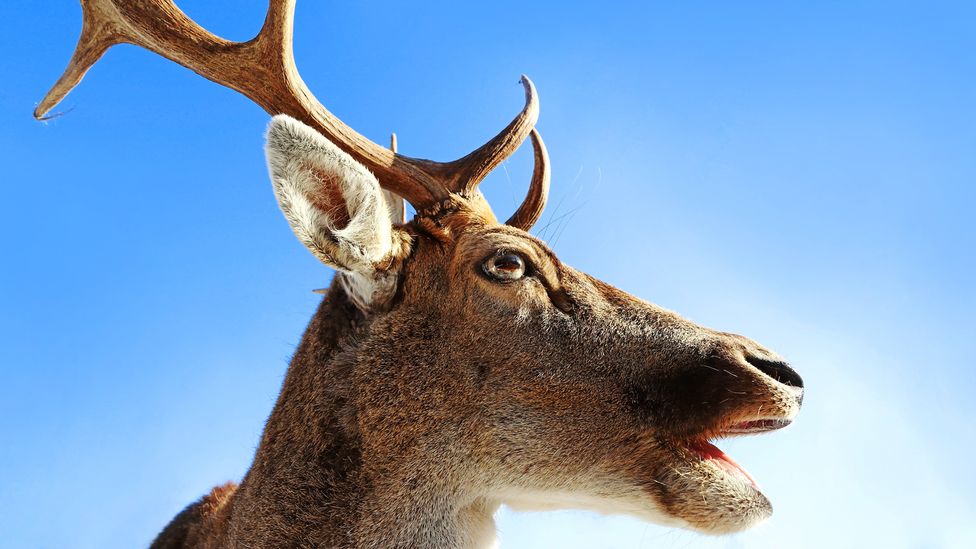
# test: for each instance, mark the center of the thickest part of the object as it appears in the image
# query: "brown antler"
(263, 69)
(535, 201)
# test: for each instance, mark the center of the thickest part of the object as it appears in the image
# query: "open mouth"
(708, 452)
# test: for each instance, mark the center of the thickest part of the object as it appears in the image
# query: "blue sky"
(802, 173)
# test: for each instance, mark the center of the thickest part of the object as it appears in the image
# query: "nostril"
(778, 370)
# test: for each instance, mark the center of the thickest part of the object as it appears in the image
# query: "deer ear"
(334, 204)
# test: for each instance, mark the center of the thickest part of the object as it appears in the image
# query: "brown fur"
(407, 428)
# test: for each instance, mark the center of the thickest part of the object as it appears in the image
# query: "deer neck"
(313, 473)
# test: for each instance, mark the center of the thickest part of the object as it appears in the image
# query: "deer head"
(455, 363)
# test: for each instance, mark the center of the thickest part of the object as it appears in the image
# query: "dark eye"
(505, 266)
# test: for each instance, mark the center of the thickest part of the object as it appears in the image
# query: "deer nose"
(778, 370)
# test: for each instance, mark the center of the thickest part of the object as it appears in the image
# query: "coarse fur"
(425, 393)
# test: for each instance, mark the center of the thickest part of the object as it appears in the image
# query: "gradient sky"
(803, 174)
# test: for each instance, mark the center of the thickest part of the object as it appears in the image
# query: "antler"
(535, 201)
(263, 69)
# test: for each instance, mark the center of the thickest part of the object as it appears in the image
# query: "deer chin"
(710, 491)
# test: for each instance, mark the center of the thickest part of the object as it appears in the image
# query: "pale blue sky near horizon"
(800, 173)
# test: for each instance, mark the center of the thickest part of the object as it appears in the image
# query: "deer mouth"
(708, 490)
(712, 455)
(709, 453)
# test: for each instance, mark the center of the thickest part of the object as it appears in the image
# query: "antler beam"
(263, 69)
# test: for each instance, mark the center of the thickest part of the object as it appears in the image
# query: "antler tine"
(263, 69)
(470, 170)
(97, 36)
(155, 25)
(535, 201)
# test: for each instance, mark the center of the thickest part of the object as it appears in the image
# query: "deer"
(454, 364)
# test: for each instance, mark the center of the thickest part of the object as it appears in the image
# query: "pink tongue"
(709, 451)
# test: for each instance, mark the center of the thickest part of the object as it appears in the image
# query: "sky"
(802, 173)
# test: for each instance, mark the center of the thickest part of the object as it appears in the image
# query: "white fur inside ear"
(398, 208)
(319, 187)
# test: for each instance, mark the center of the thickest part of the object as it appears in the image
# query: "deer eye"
(504, 266)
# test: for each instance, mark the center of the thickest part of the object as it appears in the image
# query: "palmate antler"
(263, 69)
